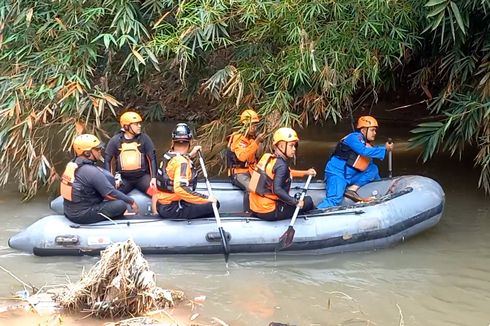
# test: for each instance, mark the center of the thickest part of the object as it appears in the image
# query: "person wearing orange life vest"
(241, 152)
(351, 165)
(177, 179)
(134, 156)
(88, 190)
(271, 181)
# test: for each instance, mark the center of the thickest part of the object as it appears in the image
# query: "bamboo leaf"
(433, 124)
(138, 56)
(437, 21)
(432, 3)
(437, 10)
(457, 14)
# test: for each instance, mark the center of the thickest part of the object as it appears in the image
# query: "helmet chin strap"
(128, 129)
(89, 156)
(284, 153)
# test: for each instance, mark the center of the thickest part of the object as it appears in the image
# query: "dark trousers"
(141, 183)
(112, 208)
(284, 211)
(184, 210)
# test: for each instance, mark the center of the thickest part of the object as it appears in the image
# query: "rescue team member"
(351, 163)
(177, 180)
(271, 181)
(88, 194)
(134, 156)
(242, 149)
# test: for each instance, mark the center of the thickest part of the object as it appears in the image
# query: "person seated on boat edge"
(134, 156)
(177, 179)
(351, 165)
(241, 151)
(88, 193)
(271, 181)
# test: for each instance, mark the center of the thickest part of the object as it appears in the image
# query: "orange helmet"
(249, 116)
(129, 118)
(284, 134)
(366, 121)
(85, 142)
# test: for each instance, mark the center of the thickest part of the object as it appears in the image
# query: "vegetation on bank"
(71, 65)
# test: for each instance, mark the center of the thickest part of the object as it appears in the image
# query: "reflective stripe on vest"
(67, 179)
(188, 178)
(130, 157)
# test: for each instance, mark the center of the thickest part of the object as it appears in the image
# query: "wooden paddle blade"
(225, 244)
(286, 239)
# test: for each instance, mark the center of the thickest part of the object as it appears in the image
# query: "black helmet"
(182, 133)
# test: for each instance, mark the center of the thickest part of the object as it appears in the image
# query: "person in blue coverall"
(351, 164)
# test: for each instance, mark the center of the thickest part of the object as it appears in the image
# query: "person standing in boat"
(132, 153)
(351, 165)
(177, 179)
(271, 181)
(241, 152)
(88, 190)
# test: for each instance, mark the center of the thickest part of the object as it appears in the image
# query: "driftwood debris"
(120, 284)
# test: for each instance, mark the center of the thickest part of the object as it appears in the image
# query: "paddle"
(215, 209)
(287, 238)
(390, 160)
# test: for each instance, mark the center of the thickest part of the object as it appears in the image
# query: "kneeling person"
(177, 180)
(271, 182)
(89, 196)
(351, 165)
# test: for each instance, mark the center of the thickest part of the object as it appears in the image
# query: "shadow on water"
(439, 277)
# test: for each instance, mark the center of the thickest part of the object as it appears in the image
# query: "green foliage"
(299, 59)
(458, 71)
(57, 60)
(66, 66)
(61, 60)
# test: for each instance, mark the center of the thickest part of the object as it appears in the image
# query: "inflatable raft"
(404, 206)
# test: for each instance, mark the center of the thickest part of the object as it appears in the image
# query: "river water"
(440, 277)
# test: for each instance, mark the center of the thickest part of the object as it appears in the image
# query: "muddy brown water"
(440, 277)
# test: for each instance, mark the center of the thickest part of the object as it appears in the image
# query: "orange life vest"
(240, 154)
(130, 157)
(262, 197)
(67, 179)
(183, 182)
(361, 162)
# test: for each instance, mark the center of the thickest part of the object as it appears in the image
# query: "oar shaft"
(210, 191)
(390, 164)
(303, 194)
(390, 160)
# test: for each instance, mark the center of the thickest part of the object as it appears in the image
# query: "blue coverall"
(338, 175)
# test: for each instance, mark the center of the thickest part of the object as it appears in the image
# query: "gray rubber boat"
(405, 206)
